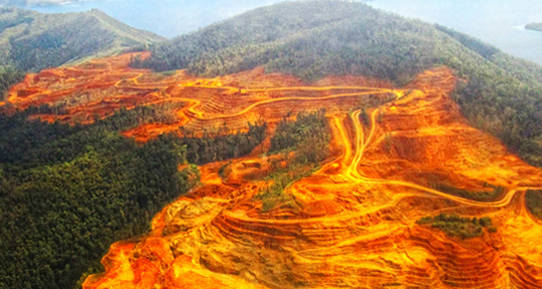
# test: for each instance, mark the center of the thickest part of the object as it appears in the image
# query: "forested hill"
(32, 41)
(311, 39)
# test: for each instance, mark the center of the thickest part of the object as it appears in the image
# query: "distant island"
(534, 26)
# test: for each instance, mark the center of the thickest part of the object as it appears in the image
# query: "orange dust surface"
(84, 93)
(396, 155)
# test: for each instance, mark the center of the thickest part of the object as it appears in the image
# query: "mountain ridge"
(379, 180)
(311, 39)
(33, 41)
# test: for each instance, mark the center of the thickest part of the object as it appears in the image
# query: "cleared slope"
(312, 39)
(353, 222)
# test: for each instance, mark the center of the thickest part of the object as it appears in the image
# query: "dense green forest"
(209, 148)
(534, 26)
(308, 136)
(311, 39)
(68, 192)
(8, 77)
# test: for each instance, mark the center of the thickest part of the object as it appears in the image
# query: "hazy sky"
(498, 22)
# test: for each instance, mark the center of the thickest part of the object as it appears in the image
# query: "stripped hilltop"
(312, 144)
(370, 185)
(311, 39)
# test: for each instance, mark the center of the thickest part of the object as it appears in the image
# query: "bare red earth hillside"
(353, 221)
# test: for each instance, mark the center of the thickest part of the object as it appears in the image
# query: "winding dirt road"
(352, 223)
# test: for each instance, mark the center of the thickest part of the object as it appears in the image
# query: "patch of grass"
(168, 72)
(456, 226)
(533, 200)
(273, 194)
(491, 194)
(224, 170)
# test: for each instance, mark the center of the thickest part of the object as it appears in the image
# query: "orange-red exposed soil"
(353, 224)
(101, 87)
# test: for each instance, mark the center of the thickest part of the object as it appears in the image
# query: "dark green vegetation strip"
(68, 192)
(456, 226)
(308, 138)
(491, 194)
(311, 39)
(209, 148)
(484, 192)
(534, 202)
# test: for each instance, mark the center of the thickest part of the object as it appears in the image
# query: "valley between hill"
(396, 155)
